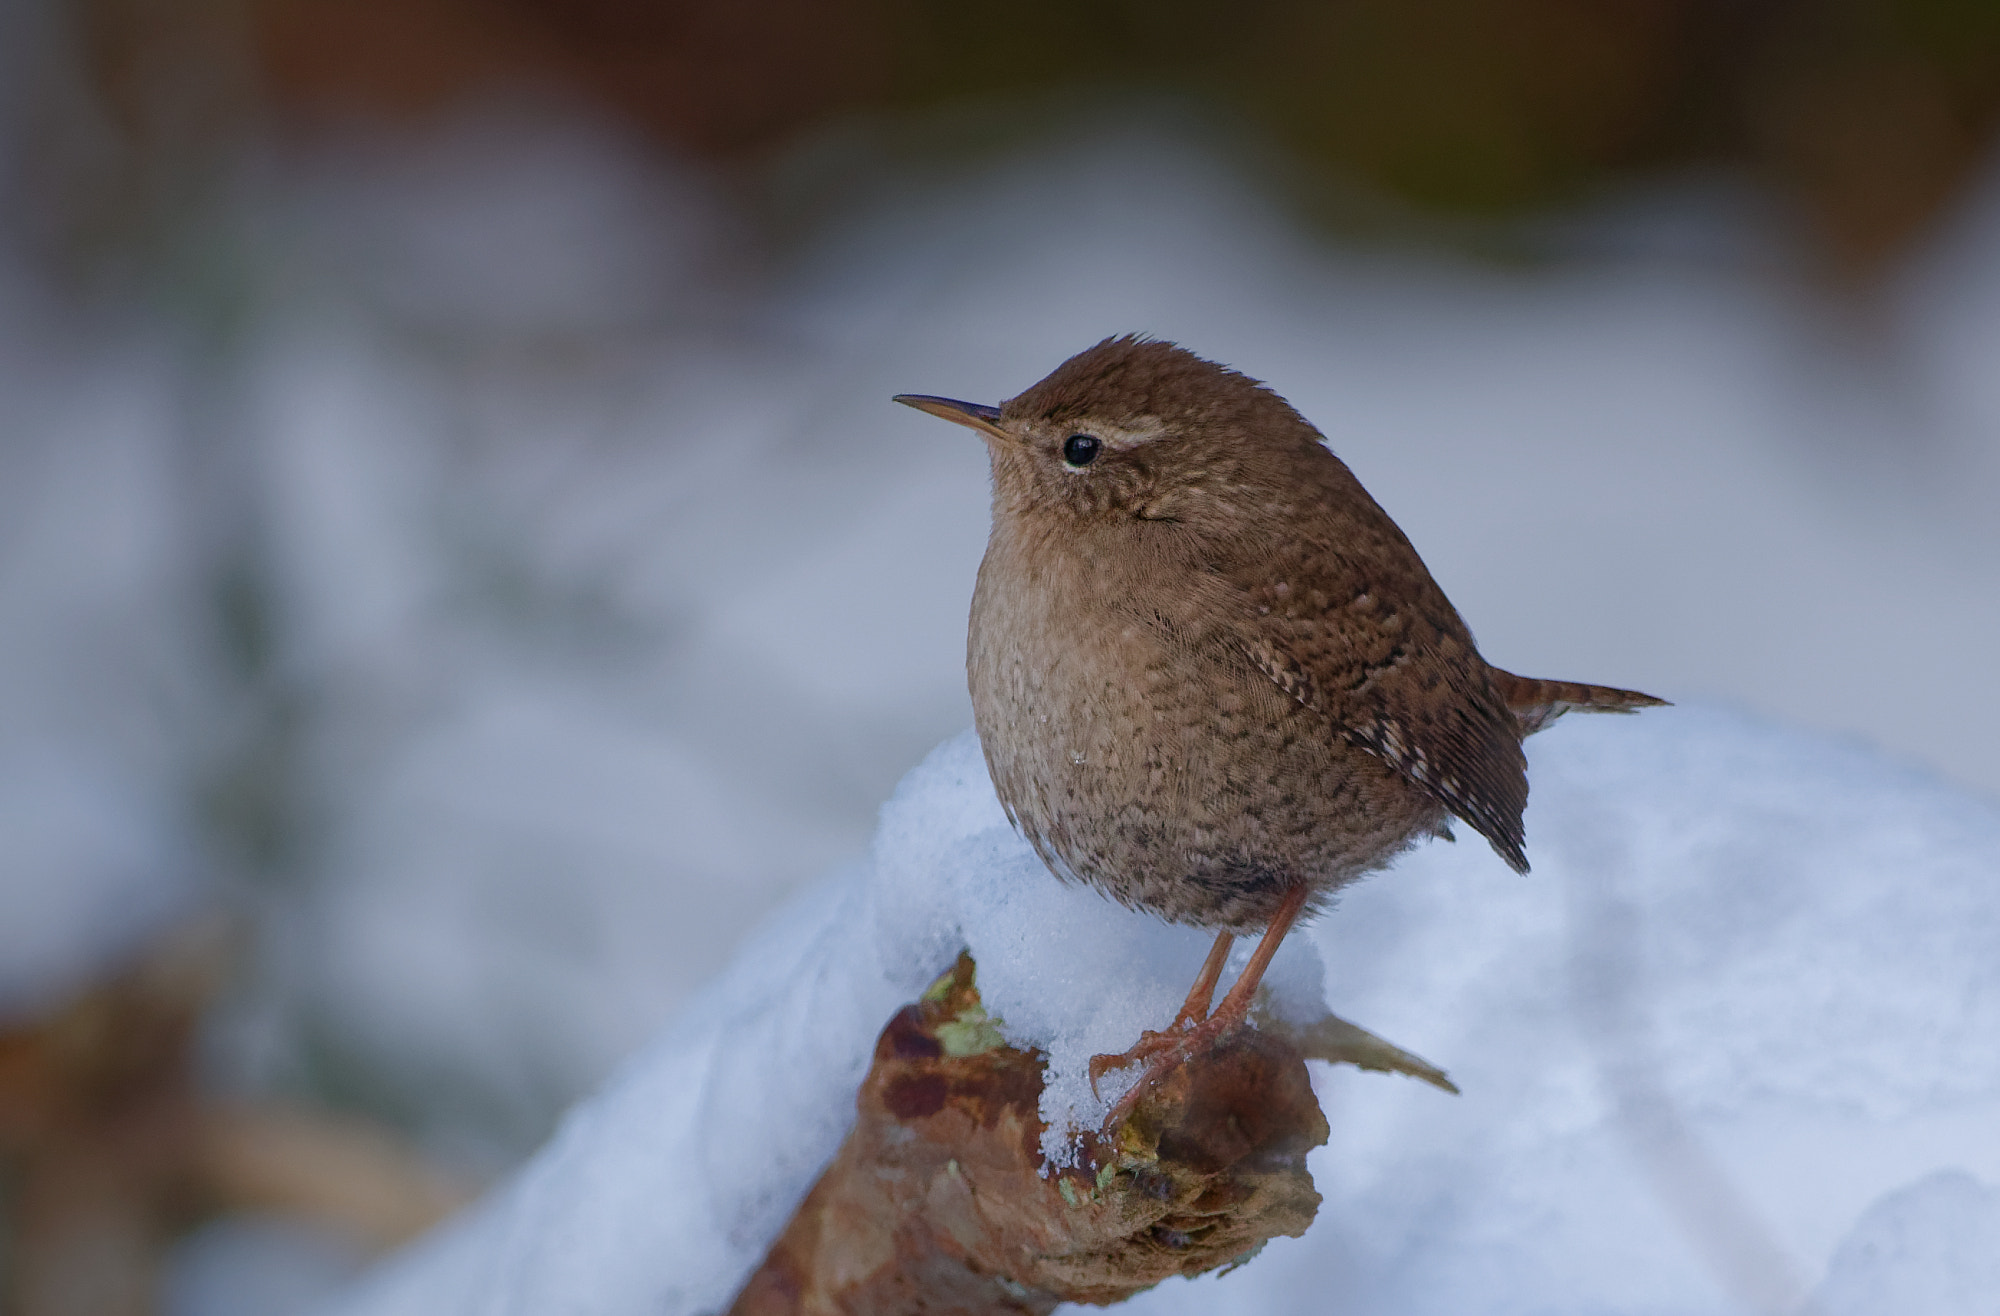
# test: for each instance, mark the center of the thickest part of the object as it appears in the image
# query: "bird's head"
(1135, 429)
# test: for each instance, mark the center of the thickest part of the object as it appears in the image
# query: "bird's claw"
(1150, 1044)
(1162, 1051)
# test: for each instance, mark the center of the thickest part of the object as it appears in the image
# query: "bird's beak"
(972, 415)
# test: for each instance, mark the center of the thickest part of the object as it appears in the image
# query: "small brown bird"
(1210, 675)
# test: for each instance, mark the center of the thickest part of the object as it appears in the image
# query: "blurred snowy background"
(452, 519)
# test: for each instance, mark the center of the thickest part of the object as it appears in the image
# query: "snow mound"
(1744, 999)
(1933, 1247)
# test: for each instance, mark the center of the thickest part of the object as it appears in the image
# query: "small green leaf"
(971, 1033)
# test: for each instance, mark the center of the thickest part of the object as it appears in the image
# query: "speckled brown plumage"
(1207, 669)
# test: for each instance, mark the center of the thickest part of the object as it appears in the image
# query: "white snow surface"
(1931, 1247)
(1728, 1047)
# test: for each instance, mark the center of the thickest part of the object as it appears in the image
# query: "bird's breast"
(1139, 751)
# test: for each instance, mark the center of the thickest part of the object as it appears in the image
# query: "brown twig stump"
(939, 1201)
(110, 1148)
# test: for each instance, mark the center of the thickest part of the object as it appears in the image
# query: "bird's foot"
(1194, 1029)
(1162, 1052)
(1150, 1044)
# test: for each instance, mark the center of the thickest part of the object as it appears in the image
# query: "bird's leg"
(1175, 1047)
(1193, 1011)
(1235, 1007)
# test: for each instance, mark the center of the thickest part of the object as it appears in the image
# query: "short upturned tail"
(1535, 703)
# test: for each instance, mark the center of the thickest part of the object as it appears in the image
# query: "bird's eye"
(1080, 450)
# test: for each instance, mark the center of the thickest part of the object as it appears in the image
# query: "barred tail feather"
(1537, 703)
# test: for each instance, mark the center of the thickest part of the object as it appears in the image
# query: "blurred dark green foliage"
(1867, 114)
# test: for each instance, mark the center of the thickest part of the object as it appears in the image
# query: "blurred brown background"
(1866, 115)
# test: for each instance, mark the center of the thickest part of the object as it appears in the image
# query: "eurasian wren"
(1210, 675)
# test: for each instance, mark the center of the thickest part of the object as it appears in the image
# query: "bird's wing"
(1355, 629)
